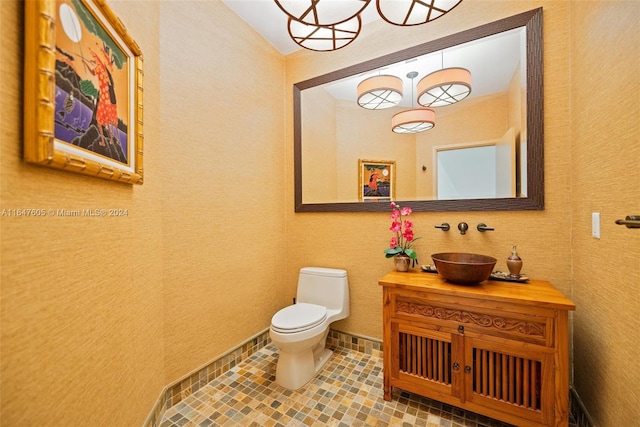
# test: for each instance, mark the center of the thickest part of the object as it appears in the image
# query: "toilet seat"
(298, 317)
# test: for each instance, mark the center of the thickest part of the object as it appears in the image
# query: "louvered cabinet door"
(515, 379)
(423, 361)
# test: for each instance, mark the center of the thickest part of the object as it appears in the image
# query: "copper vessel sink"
(464, 268)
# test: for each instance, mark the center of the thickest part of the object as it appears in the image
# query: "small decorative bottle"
(514, 263)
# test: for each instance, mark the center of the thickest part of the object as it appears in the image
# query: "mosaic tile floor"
(347, 392)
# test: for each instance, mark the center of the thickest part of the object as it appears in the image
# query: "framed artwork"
(376, 180)
(83, 90)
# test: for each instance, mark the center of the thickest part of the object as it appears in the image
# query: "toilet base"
(296, 369)
(322, 359)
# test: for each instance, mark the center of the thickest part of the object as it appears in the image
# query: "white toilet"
(300, 331)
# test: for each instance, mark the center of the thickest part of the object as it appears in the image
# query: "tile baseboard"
(190, 383)
(366, 345)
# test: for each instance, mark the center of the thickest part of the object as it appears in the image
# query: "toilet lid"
(298, 317)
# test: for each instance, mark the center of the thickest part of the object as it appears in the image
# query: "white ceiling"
(491, 62)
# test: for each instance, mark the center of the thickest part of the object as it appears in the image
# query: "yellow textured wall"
(81, 298)
(99, 314)
(320, 169)
(222, 176)
(518, 121)
(605, 157)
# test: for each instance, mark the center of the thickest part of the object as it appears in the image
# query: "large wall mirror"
(484, 152)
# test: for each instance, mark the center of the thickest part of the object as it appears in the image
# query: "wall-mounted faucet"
(482, 227)
(444, 226)
(463, 227)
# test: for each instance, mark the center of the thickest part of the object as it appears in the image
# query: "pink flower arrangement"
(400, 244)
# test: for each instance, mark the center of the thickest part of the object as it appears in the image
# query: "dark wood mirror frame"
(532, 20)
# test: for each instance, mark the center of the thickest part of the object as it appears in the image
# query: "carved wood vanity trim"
(533, 331)
(498, 349)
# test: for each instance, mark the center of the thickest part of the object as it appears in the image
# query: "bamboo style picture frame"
(82, 90)
(376, 180)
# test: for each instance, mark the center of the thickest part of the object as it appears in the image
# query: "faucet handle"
(444, 226)
(482, 227)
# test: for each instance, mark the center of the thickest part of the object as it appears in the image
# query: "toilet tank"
(328, 287)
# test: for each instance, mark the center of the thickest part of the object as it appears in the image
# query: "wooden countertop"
(534, 292)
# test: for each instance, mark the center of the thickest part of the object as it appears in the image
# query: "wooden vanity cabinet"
(497, 348)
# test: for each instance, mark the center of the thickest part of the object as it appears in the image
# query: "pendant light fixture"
(407, 13)
(414, 120)
(325, 25)
(380, 92)
(444, 87)
(322, 13)
(324, 38)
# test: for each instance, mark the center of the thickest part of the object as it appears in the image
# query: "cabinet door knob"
(456, 366)
(461, 329)
(467, 369)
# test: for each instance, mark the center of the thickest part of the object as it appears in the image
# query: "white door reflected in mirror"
(478, 170)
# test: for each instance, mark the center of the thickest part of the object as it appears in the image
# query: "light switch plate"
(595, 225)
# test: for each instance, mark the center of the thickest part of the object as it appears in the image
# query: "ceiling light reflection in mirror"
(491, 60)
(379, 92)
(414, 120)
(444, 87)
(494, 62)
